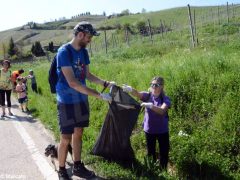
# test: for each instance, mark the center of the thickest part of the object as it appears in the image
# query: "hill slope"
(59, 32)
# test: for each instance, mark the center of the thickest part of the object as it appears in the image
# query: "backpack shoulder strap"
(70, 55)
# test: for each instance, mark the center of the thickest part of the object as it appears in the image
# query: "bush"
(228, 29)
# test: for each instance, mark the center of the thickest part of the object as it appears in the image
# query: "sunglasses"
(155, 85)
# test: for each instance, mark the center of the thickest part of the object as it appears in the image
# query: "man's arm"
(91, 77)
(73, 83)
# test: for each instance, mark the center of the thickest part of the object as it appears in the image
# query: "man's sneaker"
(63, 175)
(82, 172)
(3, 114)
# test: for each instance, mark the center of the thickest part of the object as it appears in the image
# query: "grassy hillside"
(60, 31)
(202, 82)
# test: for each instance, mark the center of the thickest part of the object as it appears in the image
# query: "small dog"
(52, 151)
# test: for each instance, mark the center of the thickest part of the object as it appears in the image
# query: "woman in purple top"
(156, 118)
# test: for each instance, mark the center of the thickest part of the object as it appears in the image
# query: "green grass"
(204, 88)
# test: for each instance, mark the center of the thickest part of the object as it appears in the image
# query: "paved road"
(22, 144)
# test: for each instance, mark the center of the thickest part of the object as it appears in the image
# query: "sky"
(15, 13)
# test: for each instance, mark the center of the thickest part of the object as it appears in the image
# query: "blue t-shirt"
(78, 61)
(155, 123)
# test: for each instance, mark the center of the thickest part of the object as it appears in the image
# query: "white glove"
(147, 105)
(111, 83)
(106, 97)
(127, 88)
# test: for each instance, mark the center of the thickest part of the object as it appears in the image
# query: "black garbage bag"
(113, 142)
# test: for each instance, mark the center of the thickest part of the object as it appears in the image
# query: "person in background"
(22, 95)
(72, 97)
(6, 86)
(33, 80)
(155, 124)
(15, 75)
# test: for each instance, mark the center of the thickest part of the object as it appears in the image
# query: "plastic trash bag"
(113, 142)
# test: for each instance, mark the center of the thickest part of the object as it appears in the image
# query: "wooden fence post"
(195, 27)
(227, 14)
(150, 30)
(126, 36)
(233, 13)
(191, 26)
(105, 40)
(113, 42)
(165, 27)
(218, 16)
(162, 28)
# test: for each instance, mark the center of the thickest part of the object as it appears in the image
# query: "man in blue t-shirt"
(72, 97)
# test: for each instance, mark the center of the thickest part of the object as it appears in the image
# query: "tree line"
(14, 51)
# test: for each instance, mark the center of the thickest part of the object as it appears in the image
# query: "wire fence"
(203, 23)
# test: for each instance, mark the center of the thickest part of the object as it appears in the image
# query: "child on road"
(33, 80)
(15, 75)
(22, 95)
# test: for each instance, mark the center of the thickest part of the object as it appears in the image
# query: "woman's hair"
(21, 71)
(6, 61)
(159, 80)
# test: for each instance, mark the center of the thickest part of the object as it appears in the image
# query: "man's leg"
(65, 139)
(77, 143)
(63, 148)
(79, 169)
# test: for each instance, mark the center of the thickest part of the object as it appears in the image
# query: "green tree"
(37, 49)
(144, 10)
(4, 50)
(126, 26)
(51, 47)
(34, 26)
(11, 47)
(141, 26)
(125, 12)
(33, 49)
(30, 24)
